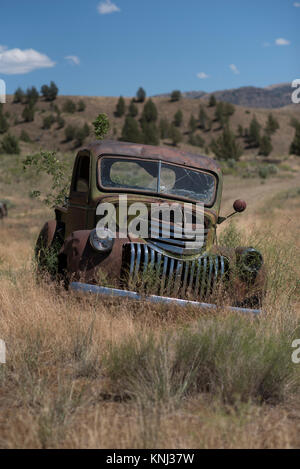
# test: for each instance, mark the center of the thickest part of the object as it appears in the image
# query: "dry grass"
(87, 373)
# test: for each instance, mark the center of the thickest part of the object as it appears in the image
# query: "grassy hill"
(54, 138)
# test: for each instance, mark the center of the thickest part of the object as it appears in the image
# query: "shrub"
(140, 95)
(25, 137)
(60, 122)
(81, 106)
(69, 106)
(196, 140)
(131, 131)
(81, 134)
(101, 126)
(48, 121)
(175, 95)
(10, 145)
(70, 132)
(28, 113)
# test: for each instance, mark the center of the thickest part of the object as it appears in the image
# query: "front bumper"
(114, 292)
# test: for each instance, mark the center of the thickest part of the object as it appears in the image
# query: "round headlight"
(102, 239)
(250, 261)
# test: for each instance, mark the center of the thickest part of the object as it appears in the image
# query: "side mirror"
(238, 207)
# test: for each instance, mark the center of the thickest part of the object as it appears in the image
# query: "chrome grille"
(169, 276)
(171, 238)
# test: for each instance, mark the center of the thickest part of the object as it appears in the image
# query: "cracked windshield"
(149, 176)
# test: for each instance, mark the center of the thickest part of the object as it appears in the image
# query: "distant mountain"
(271, 97)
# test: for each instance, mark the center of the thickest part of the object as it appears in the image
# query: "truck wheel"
(48, 245)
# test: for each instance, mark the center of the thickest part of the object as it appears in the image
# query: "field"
(107, 374)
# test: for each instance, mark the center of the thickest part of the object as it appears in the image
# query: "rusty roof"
(168, 154)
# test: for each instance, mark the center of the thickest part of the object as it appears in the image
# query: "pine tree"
(212, 101)
(149, 113)
(272, 125)
(202, 117)
(192, 124)
(295, 145)
(175, 135)
(131, 131)
(150, 134)
(226, 147)
(32, 95)
(175, 95)
(28, 113)
(19, 96)
(164, 128)
(265, 146)
(133, 109)
(140, 95)
(178, 118)
(121, 107)
(254, 133)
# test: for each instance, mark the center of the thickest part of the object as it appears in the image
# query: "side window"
(82, 179)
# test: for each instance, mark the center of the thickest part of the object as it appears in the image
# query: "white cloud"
(234, 69)
(2, 48)
(202, 75)
(282, 42)
(107, 7)
(297, 4)
(73, 59)
(17, 61)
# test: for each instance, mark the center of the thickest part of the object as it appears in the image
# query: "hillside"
(54, 138)
(270, 97)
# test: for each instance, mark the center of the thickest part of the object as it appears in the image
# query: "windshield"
(155, 176)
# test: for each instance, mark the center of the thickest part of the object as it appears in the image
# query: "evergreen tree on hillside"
(28, 113)
(265, 146)
(175, 135)
(49, 92)
(254, 133)
(131, 131)
(295, 145)
(175, 95)
(212, 101)
(19, 96)
(164, 128)
(133, 109)
(150, 134)
(140, 95)
(202, 117)
(226, 147)
(192, 124)
(178, 118)
(272, 125)
(121, 107)
(32, 95)
(149, 113)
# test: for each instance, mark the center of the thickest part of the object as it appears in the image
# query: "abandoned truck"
(173, 268)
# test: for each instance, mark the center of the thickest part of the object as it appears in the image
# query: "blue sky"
(111, 47)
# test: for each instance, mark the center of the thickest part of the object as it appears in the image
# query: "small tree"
(150, 134)
(32, 96)
(212, 100)
(121, 107)
(101, 126)
(192, 124)
(220, 114)
(131, 131)
(60, 122)
(19, 96)
(175, 135)
(10, 145)
(202, 117)
(295, 145)
(175, 95)
(149, 113)
(132, 110)
(164, 128)
(178, 118)
(196, 140)
(81, 106)
(265, 146)
(254, 133)
(140, 95)
(25, 137)
(70, 132)
(81, 134)
(226, 147)
(272, 125)
(49, 92)
(28, 113)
